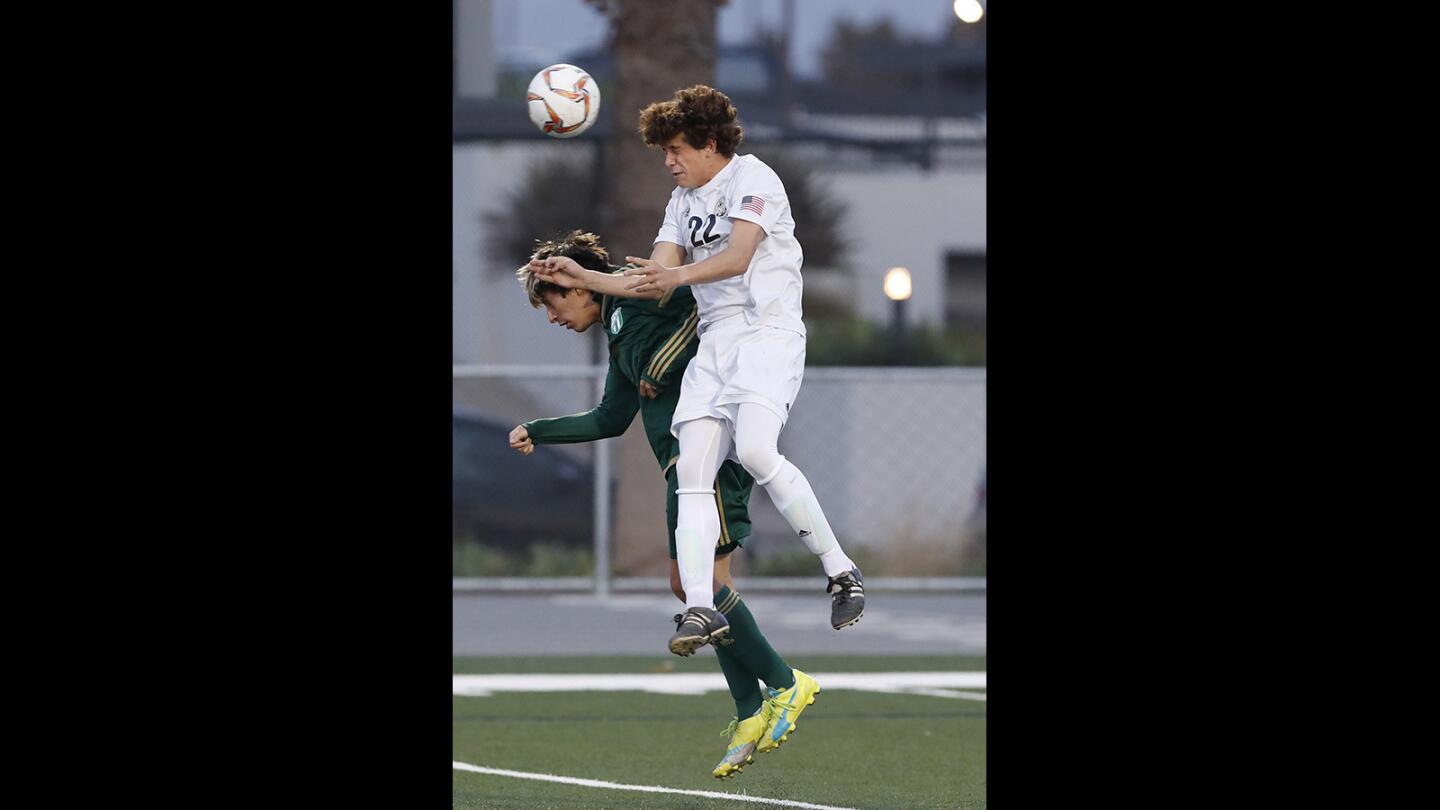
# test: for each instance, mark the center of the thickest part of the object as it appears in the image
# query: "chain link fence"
(896, 457)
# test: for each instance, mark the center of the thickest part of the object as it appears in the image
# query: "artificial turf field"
(851, 749)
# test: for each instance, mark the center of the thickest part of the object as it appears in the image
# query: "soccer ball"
(564, 101)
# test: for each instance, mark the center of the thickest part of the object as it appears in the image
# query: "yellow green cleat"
(744, 736)
(784, 707)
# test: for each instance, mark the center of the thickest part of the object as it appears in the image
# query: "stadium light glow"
(969, 10)
(897, 284)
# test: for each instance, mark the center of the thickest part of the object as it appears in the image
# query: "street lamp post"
(897, 289)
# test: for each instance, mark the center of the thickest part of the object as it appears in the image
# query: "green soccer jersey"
(652, 341)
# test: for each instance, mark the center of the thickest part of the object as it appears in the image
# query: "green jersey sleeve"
(611, 417)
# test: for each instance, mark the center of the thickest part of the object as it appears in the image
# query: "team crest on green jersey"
(616, 321)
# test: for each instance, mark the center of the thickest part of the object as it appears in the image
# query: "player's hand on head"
(564, 265)
(562, 271)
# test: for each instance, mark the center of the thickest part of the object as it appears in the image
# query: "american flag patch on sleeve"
(753, 204)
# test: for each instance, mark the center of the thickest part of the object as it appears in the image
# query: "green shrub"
(472, 559)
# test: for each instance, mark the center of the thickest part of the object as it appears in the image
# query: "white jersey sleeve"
(671, 229)
(757, 195)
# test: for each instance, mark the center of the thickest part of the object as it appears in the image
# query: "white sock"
(836, 562)
(802, 511)
(697, 568)
(757, 433)
(704, 444)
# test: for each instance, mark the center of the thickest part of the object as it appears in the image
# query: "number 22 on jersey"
(703, 232)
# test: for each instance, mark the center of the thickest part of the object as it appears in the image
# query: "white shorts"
(741, 362)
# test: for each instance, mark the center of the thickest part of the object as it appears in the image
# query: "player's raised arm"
(564, 272)
(668, 254)
(652, 276)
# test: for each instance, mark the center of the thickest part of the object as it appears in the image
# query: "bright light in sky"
(969, 10)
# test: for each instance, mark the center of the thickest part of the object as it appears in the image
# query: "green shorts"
(732, 497)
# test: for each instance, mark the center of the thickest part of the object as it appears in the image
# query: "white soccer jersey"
(699, 221)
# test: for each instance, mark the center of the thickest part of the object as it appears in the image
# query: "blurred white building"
(932, 222)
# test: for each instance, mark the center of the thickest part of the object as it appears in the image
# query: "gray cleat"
(847, 598)
(695, 628)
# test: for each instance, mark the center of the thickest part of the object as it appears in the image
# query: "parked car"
(506, 500)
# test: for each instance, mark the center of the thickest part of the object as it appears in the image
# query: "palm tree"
(659, 48)
(556, 197)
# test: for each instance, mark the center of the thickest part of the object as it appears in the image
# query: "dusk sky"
(545, 30)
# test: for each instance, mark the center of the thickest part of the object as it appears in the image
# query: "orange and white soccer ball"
(564, 101)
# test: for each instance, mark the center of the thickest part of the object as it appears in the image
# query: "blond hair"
(582, 246)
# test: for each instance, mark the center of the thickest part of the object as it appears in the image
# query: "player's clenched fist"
(520, 440)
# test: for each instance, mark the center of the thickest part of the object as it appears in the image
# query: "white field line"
(949, 693)
(596, 783)
(700, 683)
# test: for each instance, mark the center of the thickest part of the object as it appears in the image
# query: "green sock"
(743, 686)
(750, 645)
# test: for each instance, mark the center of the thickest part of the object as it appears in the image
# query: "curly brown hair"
(582, 246)
(699, 113)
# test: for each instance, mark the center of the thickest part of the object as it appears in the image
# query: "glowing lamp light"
(897, 284)
(969, 10)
